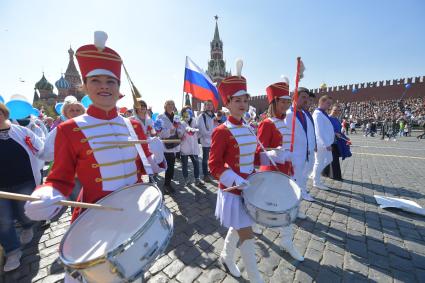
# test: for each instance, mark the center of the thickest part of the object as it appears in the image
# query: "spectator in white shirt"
(206, 125)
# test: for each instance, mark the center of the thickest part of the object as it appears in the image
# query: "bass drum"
(118, 246)
(273, 199)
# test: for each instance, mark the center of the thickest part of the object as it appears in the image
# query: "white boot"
(227, 256)
(287, 244)
(247, 249)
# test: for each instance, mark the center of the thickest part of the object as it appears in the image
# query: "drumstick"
(256, 183)
(7, 195)
(130, 142)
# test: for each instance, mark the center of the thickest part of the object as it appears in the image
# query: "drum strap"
(145, 162)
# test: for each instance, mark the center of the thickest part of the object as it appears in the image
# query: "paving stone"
(356, 264)
(160, 264)
(213, 275)
(188, 274)
(304, 275)
(380, 275)
(347, 237)
(159, 278)
(326, 275)
(175, 267)
(400, 263)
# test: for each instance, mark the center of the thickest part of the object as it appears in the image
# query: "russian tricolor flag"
(197, 83)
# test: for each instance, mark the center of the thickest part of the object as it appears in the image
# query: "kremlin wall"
(381, 90)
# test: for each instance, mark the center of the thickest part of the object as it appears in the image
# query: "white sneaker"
(306, 196)
(26, 236)
(13, 261)
(321, 187)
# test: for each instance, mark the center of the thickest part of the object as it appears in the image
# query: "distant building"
(216, 65)
(70, 84)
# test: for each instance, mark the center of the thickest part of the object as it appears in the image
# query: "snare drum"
(273, 199)
(118, 246)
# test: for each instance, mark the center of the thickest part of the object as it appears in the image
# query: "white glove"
(229, 177)
(193, 130)
(278, 155)
(45, 208)
(157, 149)
(154, 165)
(284, 155)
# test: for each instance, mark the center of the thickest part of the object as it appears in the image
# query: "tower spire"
(216, 33)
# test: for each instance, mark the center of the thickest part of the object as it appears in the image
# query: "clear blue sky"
(340, 42)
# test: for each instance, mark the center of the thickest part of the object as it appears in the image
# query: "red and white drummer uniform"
(232, 158)
(273, 133)
(101, 168)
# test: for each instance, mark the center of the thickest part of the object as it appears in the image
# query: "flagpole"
(184, 79)
(297, 79)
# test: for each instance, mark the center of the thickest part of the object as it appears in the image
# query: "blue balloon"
(190, 113)
(408, 86)
(58, 108)
(154, 116)
(157, 125)
(355, 90)
(86, 101)
(35, 112)
(19, 109)
(1, 99)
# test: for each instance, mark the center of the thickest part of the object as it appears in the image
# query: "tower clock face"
(222, 64)
(211, 64)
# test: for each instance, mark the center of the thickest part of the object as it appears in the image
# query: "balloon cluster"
(154, 116)
(176, 121)
(157, 125)
(86, 101)
(19, 107)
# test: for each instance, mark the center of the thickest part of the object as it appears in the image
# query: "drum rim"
(160, 250)
(273, 212)
(105, 256)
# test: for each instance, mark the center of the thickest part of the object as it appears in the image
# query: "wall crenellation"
(364, 91)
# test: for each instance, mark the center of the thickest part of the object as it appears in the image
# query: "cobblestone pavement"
(346, 237)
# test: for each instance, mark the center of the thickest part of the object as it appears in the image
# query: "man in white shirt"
(325, 136)
(206, 124)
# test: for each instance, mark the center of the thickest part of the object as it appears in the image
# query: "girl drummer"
(101, 169)
(231, 161)
(273, 133)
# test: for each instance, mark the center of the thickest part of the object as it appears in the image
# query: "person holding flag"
(273, 133)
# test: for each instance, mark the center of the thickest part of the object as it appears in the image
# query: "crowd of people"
(387, 118)
(227, 145)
